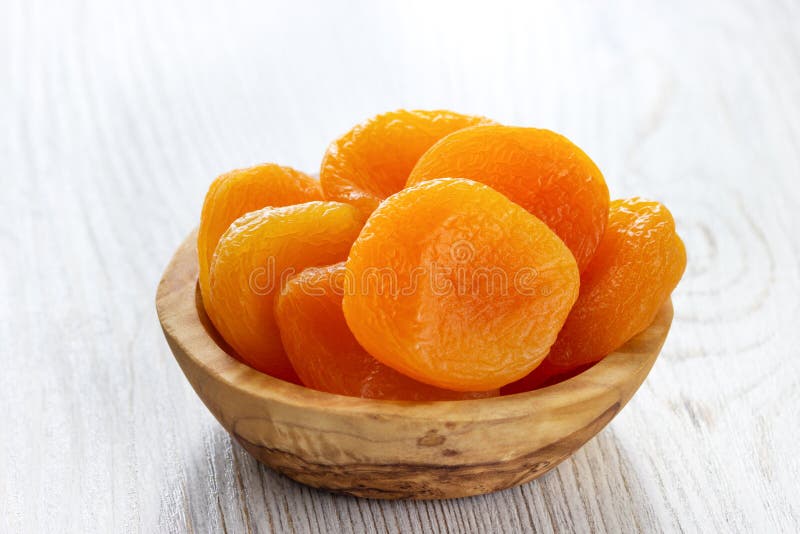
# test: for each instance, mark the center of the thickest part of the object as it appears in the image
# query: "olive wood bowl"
(392, 449)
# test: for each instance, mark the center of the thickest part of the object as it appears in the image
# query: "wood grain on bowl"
(392, 449)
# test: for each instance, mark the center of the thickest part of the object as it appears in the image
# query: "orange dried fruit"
(241, 191)
(456, 286)
(540, 170)
(255, 255)
(324, 352)
(546, 374)
(637, 265)
(373, 160)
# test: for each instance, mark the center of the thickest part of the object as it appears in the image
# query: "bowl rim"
(180, 314)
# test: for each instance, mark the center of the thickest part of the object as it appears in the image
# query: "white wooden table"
(115, 116)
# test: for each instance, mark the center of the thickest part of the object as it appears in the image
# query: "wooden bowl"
(392, 449)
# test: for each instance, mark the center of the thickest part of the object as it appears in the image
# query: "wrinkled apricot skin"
(255, 255)
(241, 191)
(540, 170)
(324, 352)
(639, 262)
(456, 286)
(372, 161)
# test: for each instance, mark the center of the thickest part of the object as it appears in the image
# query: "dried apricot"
(373, 160)
(540, 170)
(546, 374)
(637, 265)
(456, 286)
(238, 192)
(255, 255)
(324, 352)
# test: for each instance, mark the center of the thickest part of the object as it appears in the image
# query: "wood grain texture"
(115, 117)
(394, 450)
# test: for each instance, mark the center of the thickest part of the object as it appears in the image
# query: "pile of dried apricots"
(440, 256)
